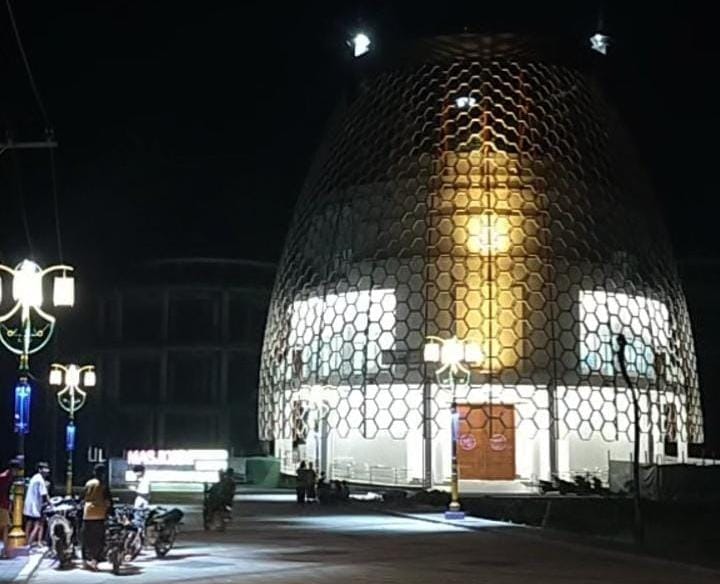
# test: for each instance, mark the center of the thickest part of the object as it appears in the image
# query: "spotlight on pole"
(360, 44)
(465, 102)
(600, 43)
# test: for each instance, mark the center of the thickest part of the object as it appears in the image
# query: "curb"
(30, 568)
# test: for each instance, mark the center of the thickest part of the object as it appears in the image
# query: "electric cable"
(48, 131)
(23, 207)
(31, 78)
(53, 176)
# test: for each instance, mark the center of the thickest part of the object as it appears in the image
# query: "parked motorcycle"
(156, 527)
(161, 528)
(134, 520)
(63, 517)
(120, 536)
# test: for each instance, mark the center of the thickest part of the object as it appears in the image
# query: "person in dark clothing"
(344, 491)
(301, 482)
(311, 479)
(228, 487)
(336, 491)
(323, 490)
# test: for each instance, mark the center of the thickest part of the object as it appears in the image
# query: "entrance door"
(486, 442)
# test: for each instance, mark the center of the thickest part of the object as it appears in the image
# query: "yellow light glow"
(488, 233)
(473, 353)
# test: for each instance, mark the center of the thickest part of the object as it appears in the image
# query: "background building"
(178, 352)
(477, 188)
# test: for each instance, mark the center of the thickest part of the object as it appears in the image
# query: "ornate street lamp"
(25, 329)
(71, 398)
(454, 356)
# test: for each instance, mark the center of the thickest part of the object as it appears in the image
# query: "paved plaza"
(272, 540)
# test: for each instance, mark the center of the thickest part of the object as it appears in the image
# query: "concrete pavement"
(20, 567)
(272, 540)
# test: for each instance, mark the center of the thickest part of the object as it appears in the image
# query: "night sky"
(186, 128)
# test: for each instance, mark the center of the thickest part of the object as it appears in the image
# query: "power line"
(23, 207)
(31, 79)
(53, 175)
(50, 138)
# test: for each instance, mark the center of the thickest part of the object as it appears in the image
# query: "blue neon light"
(23, 392)
(70, 437)
(455, 424)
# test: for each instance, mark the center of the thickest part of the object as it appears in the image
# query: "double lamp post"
(74, 381)
(454, 357)
(25, 329)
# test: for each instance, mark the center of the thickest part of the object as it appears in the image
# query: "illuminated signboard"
(178, 466)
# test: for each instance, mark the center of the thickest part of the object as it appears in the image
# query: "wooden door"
(486, 442)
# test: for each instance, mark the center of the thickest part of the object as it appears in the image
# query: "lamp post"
(71, 398)
(26, 329)
(454, 356)
(638, 524)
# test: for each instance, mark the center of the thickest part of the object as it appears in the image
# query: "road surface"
(272, 540)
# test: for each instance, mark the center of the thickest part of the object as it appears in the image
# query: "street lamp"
(360, 44)
(71, 398)
(25, 329)
(454, 356)
(638, 525)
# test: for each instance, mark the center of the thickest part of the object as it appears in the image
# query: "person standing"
(142, 489)
(98, 502)
(300, 482)
(7, 478)
(311, 480)
(35, 498)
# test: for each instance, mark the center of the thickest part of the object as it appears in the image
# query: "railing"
(375, 474)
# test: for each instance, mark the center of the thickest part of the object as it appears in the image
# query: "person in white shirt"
(35, 498)
(142, 489)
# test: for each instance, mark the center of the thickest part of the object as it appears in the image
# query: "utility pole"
(638, 526)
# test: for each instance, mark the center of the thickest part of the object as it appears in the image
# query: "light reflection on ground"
(367, 523)
(266, 498)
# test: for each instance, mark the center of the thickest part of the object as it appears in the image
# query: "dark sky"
(185, 128)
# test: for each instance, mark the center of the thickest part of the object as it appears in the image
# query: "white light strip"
(210, 465)
(174, 457)
(175, 476)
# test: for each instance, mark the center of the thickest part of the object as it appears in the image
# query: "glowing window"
(342, 334)
(604, 315)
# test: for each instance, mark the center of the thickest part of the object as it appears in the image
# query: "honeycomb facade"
(478, 189)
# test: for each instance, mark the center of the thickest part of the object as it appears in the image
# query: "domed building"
(476, 232)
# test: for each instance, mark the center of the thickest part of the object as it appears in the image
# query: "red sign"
(467, 442)
(498, 442)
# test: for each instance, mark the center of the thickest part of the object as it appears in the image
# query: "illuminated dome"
(479, 189)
